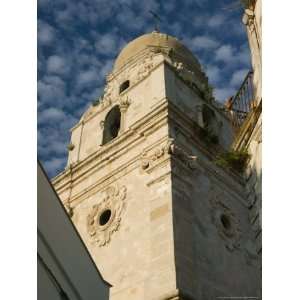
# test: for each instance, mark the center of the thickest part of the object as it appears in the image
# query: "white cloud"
(243, 55)
(51, 115)
(229, 54)
(216, 21)
(125, 19)
(202, 43)
(237, 77)
(224, 53)
(50, 89)
(45, 34)
(57, 64)
(54, 165)
(87, 77)
(213, 73)
(222, 94)
(106, 44)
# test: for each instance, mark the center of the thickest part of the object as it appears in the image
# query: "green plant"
(234, 160)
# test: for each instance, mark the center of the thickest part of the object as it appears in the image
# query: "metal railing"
(240, 105)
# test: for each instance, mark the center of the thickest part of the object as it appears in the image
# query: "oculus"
(226, 222)
(105, 217)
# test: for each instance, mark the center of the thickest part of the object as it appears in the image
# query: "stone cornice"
(206, 162)
(108, 179)
(131, 139)
(138, 131)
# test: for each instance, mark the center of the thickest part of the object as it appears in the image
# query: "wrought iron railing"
(240, 105)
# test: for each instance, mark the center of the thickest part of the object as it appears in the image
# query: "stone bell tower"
(159, 217)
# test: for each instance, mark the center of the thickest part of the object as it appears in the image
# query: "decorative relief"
(105, 217)
(169, 148)
(187, 159)
(108, 89)
(149, 160)
(101, 124)
(248, 19)
(184, 72)
(106, 102)
(124, 103)
(226, 222)
(145, 68)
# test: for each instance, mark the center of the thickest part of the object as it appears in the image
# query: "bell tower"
(160, 218)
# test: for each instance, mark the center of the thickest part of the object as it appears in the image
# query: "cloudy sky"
(79, 40)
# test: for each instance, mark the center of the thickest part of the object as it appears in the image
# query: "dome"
(155, 39)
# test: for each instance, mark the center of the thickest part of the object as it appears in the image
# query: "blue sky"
(79, 40)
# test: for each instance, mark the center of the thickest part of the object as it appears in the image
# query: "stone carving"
(148, 160)
(101, 124)
(248, 19)
(112, 205)
(226, 222)
(183, 71)
(145, 68)
(161, 50)
(124, 103)
(184, 157)
(106, 102)
(107, 91)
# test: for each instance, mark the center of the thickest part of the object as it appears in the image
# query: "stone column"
(124, 103)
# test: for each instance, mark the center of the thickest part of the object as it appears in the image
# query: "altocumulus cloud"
(57, 65)
(202, 43)
(79, 40)
(46, 33)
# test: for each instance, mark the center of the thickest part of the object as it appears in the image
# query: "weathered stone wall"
(253, 20)
(208, 256)
(164, 237)
(253, 178)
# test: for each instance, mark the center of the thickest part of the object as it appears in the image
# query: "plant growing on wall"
(234, 160)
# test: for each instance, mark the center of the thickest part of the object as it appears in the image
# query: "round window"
(104, 217)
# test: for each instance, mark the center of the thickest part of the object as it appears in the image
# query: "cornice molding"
(143, 127)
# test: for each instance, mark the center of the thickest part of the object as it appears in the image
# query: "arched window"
(124, 86)
(111, 125)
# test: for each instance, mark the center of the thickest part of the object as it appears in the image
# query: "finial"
(156, 19)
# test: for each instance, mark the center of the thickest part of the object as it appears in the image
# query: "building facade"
(160, 217)
(250, 134)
